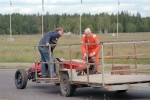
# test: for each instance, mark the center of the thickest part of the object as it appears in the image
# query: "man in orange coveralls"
(92, 50)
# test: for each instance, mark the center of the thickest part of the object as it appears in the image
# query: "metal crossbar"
(132, 56)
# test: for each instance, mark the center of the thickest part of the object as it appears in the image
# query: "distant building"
(67, 33)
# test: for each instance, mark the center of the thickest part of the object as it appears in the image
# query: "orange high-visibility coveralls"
(91, 48)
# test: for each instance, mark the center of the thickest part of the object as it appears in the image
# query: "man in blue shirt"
(46, 41)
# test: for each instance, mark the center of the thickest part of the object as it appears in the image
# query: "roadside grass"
(108, 69)
(14, 67)
(22, 49)
(144, 71)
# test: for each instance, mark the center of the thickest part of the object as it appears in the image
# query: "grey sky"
(75, 6)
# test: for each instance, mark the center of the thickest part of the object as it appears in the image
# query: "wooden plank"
(125, 70)
(112, 79)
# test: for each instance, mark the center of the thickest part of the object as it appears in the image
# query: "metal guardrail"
(130, 42)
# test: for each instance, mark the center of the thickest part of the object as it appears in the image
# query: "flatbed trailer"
(109, 79)
(69, 80)
(119, 83)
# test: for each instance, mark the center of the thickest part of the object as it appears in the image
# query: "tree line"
(98, 23)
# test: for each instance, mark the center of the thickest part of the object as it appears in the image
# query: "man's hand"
(47, 44)
(84, 56)
(92, 54)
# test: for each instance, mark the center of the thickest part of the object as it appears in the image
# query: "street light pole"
(42, 15)
(10, 39)
(80, 19)
(80, 25)
(117, 25)
(117, 19)
(10, 21)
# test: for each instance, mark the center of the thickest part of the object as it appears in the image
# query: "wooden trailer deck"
(112, 79)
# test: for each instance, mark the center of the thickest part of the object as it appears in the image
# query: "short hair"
(87, 30)
(58, 29)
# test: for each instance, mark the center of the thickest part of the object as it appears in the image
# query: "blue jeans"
(44, 51)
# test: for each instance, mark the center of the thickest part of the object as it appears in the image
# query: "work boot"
(98, 72)
(79, 73)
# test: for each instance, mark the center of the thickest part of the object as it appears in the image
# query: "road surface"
(49, 91)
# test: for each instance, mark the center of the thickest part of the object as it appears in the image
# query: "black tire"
(65, 87)
(20, 78)
(57, 83)
(92, 69)
(56, 66)
(121, 91)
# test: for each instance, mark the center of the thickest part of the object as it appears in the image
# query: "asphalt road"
(49, 91)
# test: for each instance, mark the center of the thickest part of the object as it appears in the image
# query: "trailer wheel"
(20, 78)
(92, 69)
(65, 87)
(56, 66)
(121, 91)
(57, 83)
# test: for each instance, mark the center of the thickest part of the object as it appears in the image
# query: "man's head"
(87, 31)
(60, 30)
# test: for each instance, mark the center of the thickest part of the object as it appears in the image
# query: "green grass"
(144, 71)
(22, 49)
(14, 67)
(108, 69)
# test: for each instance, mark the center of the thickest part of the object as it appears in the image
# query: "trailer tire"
(56, 66)
(20, 78)
(121, 91)
(57, 83)
(66, 88)
(92, 69)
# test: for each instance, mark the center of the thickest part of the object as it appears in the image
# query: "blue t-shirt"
(50, 36)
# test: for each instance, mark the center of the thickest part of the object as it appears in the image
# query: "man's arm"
(48, 39)
(98, 46)
(83, 47)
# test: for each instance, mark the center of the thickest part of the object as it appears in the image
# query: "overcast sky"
(75, 6)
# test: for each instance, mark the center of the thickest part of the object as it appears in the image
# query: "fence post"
(102, 64)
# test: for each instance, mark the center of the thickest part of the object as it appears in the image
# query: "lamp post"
(10, 20)
(80, 19)
(42, 15)
(117, 25)
(10, 39)
(117, 19)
